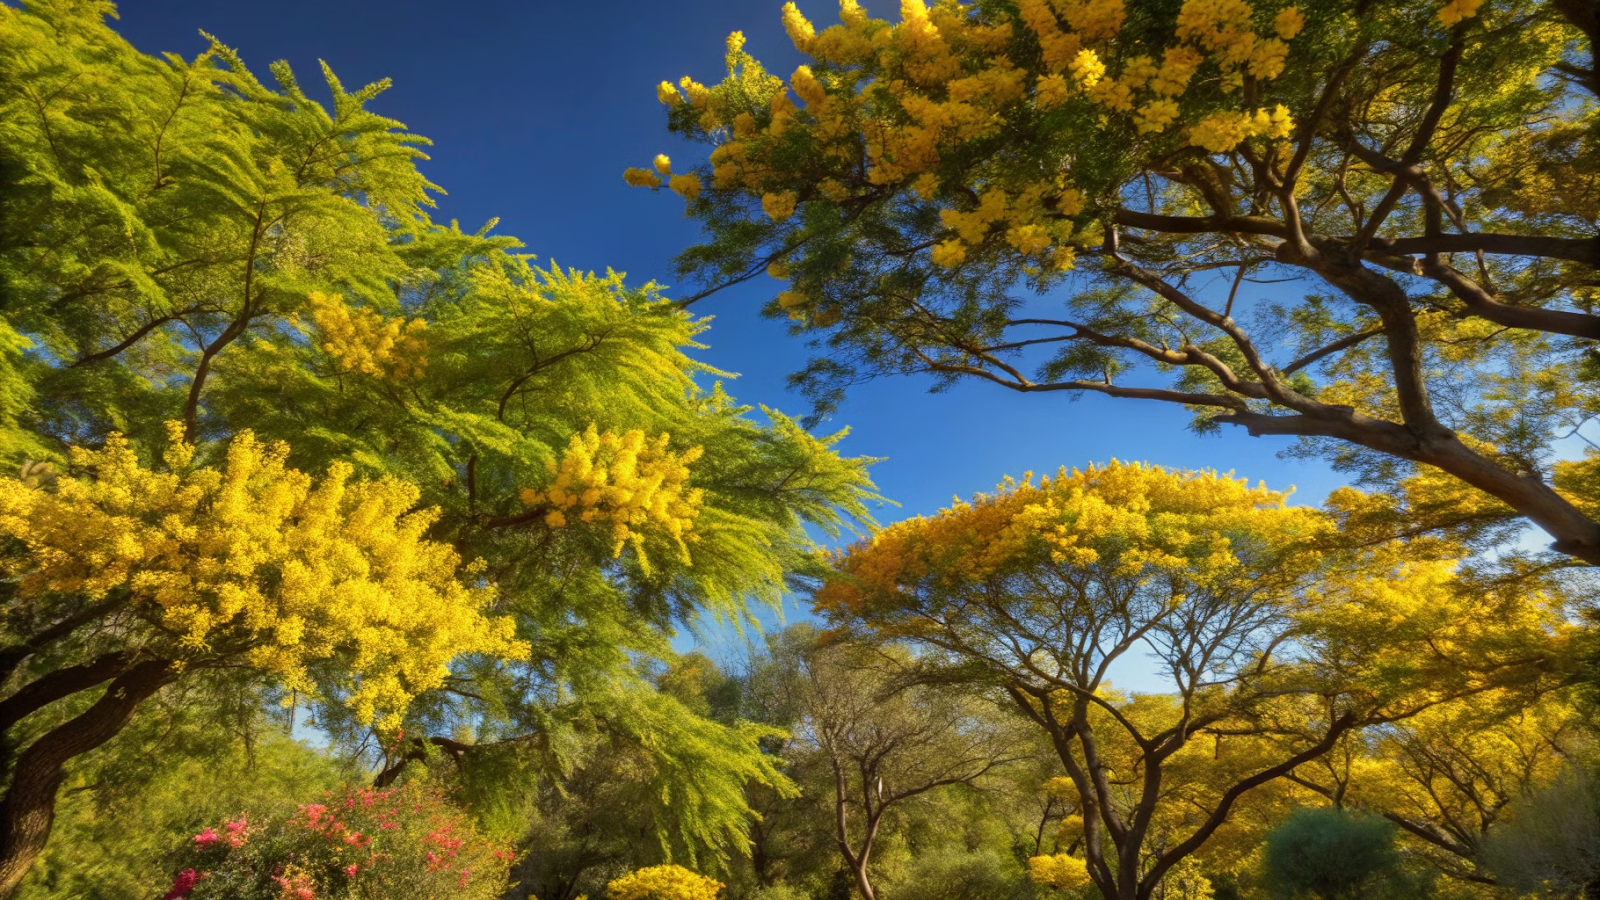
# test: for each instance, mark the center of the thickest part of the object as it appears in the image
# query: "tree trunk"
(28, 808)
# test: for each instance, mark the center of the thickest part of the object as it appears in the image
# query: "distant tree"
(887, 742)
(1274, 652)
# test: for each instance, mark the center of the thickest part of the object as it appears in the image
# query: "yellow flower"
(1088, 68)
(641, 177)
(834, 190)
(697, 93)
(1178, 65)
(1070, 202)
(666, 93)
(949, 253)
(1050, 91)
(791, 299)
(687, 186)
(807, 87)
(1028, 239)
(328, 585)
(1220, 132)
(667, 882)
(360, 339)
(926, 185)
(1062, 872)
(777, 269)
(1267, 59)
(1155, 115)
(1096, 20)
(1455, 11)
(635, 485)
(1288, 22)
(663, 164)
(852, 15)
(778, 206)
(799, 30)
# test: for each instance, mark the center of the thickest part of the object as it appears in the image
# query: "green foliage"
(973, 875)
(1552, 842)
(1330, 854)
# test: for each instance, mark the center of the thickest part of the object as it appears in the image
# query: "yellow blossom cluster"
(1223, 131)
(884, 103)
(1029, 226)
(668, 882)
(362, 340)
(636, 486)
(1456, 11)
(1059, 871)
(256, 562)
(686, 185)
(779, 206)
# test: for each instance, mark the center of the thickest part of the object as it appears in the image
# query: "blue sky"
(536, 108)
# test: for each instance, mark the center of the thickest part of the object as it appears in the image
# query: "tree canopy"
(1370, 226)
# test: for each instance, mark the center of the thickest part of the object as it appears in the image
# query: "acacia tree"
(886, 742)
(1041, 588)
(133, 579)
(181, 241)
(1371, 226)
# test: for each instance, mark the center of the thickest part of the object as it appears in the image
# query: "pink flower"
(313, 813)
(350, 870)
(183, 884)
(465, 874)
(238, 832)
(205, 838)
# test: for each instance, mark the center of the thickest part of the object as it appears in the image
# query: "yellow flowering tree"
(326, 587)
(1273, 650)
(1371, 227)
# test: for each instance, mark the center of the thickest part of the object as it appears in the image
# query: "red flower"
(206, 838)
(184, 883)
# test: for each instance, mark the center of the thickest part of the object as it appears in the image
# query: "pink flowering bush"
(358, 844)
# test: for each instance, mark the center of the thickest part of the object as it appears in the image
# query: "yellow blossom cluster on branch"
(362, 340)
(893, 105)
(1454, 12)
(637, 486)
(256, 561)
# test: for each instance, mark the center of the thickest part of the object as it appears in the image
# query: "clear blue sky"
(536, 108)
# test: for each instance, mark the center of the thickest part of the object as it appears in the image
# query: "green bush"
(1330, 854)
